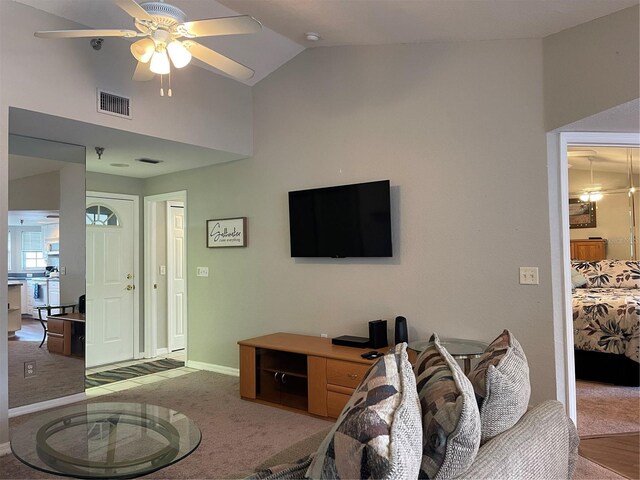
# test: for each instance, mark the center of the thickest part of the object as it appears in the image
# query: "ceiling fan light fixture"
(179, 55)
(143, 49)
(160, 61)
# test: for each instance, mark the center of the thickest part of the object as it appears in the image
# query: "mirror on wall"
(603, 202)
(46, 262)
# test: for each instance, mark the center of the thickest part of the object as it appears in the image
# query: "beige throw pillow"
(450, 417)
(501, 385)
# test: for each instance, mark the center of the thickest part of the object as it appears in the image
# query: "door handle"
(129, 276)
(131, 287)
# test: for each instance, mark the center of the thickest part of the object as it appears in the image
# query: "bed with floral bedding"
(606, 321)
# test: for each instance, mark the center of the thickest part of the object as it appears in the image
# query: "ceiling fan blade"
(133, 9)
(220, 26)
(85, 33)
(219, 61)
(143, 73)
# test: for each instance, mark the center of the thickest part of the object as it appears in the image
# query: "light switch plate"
(529, 276)
(163, 269)
(202, 271)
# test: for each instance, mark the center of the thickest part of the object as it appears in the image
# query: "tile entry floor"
(137, 381)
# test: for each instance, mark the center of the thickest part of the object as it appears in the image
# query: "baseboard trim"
(162, 351)
(56, 402)
(5, 449)
(234, 372)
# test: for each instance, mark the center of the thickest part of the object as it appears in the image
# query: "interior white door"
(110, 281)
(176, 285)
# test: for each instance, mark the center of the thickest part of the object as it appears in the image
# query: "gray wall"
(72, 232)
(591, 67)
(458, 128)
(38, 192)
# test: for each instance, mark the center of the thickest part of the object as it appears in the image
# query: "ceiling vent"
(113, 104)
(149, 160)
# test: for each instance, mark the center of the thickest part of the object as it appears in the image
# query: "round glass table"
(105, 440)
(458, 348)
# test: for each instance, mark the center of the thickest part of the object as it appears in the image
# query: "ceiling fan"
(166, 35)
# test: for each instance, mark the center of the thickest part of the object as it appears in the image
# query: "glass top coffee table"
(105, 440)
(458, 348)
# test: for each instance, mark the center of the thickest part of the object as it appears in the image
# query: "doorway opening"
(600, 228)
(165, 269)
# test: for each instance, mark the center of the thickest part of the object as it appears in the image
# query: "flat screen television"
(341, 221)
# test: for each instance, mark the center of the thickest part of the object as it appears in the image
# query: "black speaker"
(401, 330)
(378, 334)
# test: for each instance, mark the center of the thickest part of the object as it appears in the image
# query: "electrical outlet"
(30, 369)
(324, 335)
(63, 270)
(529, 276)
(202, 271)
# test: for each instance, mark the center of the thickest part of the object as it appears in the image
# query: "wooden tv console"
(300, 371)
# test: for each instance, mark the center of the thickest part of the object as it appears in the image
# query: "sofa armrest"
(543, 444)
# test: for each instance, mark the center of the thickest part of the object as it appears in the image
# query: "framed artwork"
(582, 214)
(227, 232)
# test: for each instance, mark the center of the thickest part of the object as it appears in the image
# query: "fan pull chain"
(169, 91)
(161, 85)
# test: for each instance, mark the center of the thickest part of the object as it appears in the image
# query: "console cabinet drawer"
(55, 343)
(346, 374)
(55, 326)
(335, 403)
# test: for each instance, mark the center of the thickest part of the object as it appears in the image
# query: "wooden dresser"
(300, 371)
(589, 249)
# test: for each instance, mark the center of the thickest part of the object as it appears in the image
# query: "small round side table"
(458, 348)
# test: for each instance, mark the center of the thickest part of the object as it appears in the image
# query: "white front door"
(176, 259)
(110, 280)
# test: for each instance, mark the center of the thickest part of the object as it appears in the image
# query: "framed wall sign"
(227, 232)
(582, 214)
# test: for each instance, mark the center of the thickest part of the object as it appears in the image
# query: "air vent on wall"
(148, 160)
(113, 104)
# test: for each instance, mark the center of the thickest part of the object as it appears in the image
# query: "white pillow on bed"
(577, 279)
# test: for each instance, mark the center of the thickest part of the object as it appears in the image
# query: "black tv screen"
(342, 221)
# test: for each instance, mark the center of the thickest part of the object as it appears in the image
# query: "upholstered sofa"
(426, 421)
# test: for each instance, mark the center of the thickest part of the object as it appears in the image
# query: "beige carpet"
(237, 435)
(56, 375)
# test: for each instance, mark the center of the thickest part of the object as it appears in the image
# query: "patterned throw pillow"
(501, 384)
(378, 434)
(450, 417)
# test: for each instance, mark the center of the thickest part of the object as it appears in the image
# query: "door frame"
(151, 268)
(558, 174)
(137, 352)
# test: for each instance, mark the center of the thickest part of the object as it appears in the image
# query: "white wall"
(161, 280)
(458, 128)
(60, 77)
(612, 212)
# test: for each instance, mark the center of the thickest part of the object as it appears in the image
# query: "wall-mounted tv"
(341, 221)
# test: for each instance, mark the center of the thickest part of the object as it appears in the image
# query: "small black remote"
(371, 355)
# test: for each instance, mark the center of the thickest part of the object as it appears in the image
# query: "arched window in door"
(101, 216)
